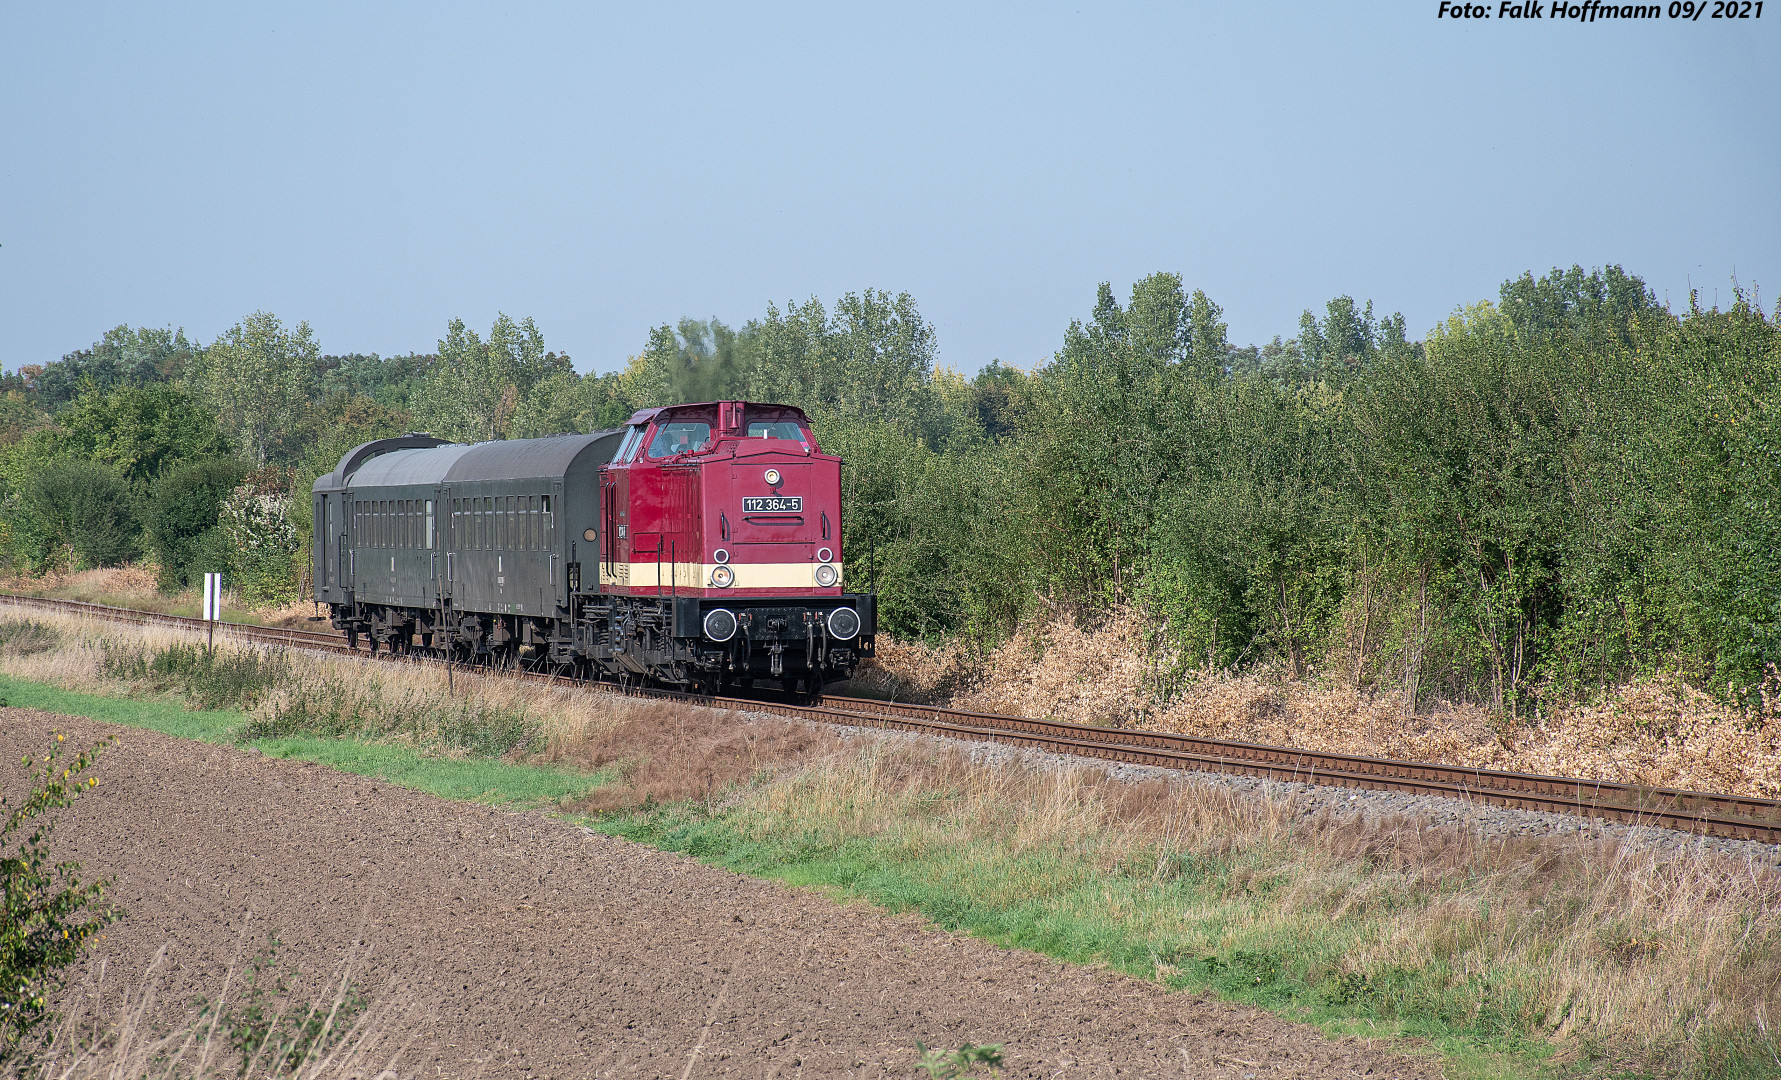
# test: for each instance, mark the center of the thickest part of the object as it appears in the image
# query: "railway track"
(1734, 817)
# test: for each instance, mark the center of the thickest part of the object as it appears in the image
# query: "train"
(696, 548)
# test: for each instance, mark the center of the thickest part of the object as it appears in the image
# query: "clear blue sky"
(376, 169)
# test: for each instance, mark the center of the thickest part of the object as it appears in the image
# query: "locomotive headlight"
(826, 576)
(844, 623)
(824, 554)
(772, 477)
(720, 556)
(723, 577)
(720, 625)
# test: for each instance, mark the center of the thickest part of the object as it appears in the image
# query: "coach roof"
(401, 462)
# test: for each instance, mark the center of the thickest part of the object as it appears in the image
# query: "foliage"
(263, 543)
(182, 518)
(474, 392)
(84, 507)
(959, 1063)
(269, 1030)
(207, 678)
(140, 431)
(260, 379)
(125, 356)
(51, 914)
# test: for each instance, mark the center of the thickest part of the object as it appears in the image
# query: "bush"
(206, 678)
(86, 507)
(263, 544)
(27, 637)
(182, 518)
(51, 915)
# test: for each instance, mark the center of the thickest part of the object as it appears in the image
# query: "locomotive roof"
(405, 463)
(644, 416)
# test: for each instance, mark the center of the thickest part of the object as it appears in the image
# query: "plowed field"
(537, 948)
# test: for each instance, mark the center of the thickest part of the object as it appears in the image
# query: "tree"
(140, 430)
(123, 357)
(182, 514)
(475, 390)
(259, 378)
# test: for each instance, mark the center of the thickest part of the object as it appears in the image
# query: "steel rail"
(1725, 816)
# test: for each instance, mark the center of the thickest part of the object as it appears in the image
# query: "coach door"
(343, 567)
(442, 535)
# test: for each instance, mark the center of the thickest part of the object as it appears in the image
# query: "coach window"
(487, 526)
(429, 532)
(414, 523)
(550, 536)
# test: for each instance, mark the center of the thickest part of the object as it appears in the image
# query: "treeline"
(1554, 492)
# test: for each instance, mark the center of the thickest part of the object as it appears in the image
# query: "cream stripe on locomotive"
(794, 575)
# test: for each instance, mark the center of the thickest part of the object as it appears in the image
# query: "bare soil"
(542, 949)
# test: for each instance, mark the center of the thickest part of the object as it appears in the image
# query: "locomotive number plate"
(773, 504)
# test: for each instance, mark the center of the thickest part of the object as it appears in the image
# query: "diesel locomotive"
(698, 547)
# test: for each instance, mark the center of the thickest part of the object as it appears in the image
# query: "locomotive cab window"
(784, 429)
(628, 449)
(680, 437)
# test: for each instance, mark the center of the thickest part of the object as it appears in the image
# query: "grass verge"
(485, 780)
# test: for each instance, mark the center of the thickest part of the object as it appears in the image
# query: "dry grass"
(1660, 961)
(341, 695)
(667, 753)
(135, 586)
(1660, 734)
(127, 1043)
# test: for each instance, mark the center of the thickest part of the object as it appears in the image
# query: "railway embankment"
(1502, 952)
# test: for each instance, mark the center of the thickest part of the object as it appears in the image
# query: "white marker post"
(213, 607)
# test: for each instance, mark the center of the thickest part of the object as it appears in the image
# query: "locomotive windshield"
(680, 437)
(785, 429)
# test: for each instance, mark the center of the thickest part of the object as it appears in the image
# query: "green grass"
(1058, 904)
(477, 779)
